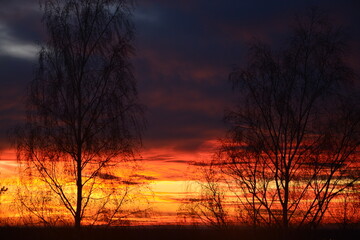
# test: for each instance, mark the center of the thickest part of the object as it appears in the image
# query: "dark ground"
(169, 233)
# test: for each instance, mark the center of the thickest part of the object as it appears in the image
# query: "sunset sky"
(185, 50)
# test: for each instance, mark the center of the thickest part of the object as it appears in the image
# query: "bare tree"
(345, 211)
(114, 199)
(35, 208)
(83, 114)
(3, 189)
(210, 206)
(294, 136)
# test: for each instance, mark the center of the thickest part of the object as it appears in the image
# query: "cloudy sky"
(185, 51)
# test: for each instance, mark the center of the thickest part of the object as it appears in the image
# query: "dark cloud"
(107, 176)
(14, 75)
(179, 161)
(130, 183)
(144, 177)
(185, 51)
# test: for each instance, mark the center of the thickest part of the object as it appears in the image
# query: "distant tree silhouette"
(210, 206)
(345, 211)
(295, 133)
(82, 109)
(3, 189)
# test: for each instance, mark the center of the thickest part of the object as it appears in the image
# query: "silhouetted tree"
(210, 205)
(345, 211)
(294, 138)
(3, 189)
(83, 114)
(295, 133)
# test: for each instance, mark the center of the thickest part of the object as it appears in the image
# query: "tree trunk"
(79, 195)
(285, 217)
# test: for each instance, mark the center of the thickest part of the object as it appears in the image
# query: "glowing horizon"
(166, 174)
(168, 185)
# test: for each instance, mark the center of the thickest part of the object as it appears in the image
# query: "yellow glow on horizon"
(166, 180)
(169, 178)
